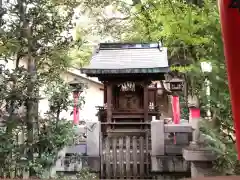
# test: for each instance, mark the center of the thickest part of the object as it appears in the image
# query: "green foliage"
(192, 34)
(59, 97)
(45, 26)
(38, 33)
(50, 133)
(53, 135)
(85, 173)
(81, 56)
(221, 142)
(58, 93)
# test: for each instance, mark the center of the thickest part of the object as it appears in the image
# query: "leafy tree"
(38, 32)
(51, 133)
(191, 31)
(98, 21)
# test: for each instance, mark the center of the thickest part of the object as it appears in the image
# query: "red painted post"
(230, 22)
(76, 109)
(176, 112)
(176, 109)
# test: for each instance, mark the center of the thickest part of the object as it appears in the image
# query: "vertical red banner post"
(230, 24)
(77, 88)
(176, 112)
(176, 109)
(76, 95)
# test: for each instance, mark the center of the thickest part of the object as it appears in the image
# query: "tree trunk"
(26, 33)
(31, 111)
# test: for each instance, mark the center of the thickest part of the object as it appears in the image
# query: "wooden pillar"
(145, 102)
(109, 102)
(155, 96)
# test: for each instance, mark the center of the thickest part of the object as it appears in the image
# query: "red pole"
(176, 109)
(176, 112)
(230, 22)
(75, 109)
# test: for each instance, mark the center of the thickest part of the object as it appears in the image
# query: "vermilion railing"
(230, 22)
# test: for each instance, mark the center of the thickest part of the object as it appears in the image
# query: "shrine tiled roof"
(114, 58)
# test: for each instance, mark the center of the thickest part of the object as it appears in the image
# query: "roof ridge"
(76, 72)
(110, 46)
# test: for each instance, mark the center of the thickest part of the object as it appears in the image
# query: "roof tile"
(129, 59)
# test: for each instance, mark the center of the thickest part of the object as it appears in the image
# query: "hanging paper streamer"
(75, 109)
(176, 109)
(230, 22)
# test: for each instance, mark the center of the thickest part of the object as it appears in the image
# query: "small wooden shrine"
(128, 72)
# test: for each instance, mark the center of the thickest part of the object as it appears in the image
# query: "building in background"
(93, 94)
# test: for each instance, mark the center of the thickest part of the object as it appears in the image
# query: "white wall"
(93, 97)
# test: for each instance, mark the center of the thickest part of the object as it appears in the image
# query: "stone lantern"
(176, 84)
